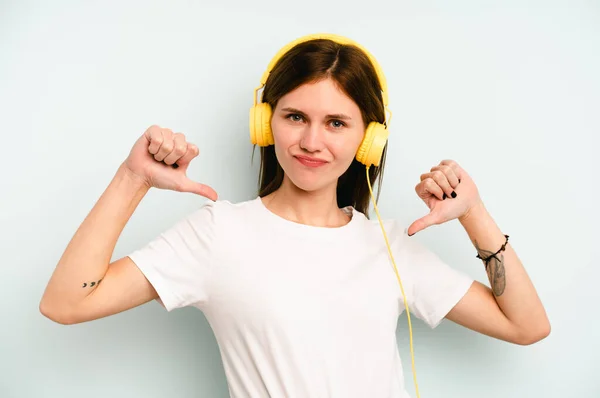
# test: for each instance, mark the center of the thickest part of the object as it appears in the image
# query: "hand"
(449, 193)
(161, 158)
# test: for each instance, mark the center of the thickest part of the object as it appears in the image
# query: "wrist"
(477, 211)
(137, 182)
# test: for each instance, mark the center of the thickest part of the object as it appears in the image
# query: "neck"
(316, 208)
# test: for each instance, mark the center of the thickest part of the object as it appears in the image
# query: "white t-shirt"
(300, 311)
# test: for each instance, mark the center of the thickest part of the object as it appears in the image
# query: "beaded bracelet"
(487, 259)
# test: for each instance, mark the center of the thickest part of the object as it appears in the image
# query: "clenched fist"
(161, 158)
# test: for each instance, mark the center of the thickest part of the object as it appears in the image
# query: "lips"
(310, 162)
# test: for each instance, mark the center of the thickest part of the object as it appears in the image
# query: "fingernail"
(444, 197)
(459, 180)
(453, 194)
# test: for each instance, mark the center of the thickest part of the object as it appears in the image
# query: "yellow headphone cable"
(412, 354)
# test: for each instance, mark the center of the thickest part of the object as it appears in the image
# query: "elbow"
(534, 335)
(54, 315)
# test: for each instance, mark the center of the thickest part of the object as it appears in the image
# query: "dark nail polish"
(444, 197)
(453, 194)
(459, 180)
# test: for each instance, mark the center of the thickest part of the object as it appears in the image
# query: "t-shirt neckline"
(284, 224)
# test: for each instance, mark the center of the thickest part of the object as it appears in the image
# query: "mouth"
(310, 162)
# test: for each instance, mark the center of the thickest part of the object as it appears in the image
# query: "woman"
(297, 283)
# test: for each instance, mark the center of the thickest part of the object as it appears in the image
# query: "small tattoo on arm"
(495, 270)
(91, 284)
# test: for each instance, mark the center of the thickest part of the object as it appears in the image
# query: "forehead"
(323, 96)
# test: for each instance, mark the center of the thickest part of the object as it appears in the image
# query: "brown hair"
(352, 70)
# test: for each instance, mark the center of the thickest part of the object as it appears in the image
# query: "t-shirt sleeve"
(179, 260)
(435, 287)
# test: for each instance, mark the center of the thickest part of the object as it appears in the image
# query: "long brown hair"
(352, 70)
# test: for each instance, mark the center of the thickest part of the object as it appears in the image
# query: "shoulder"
(209, 224)
(224, 212)
(394, 227)
(233, 208)
(396, 232)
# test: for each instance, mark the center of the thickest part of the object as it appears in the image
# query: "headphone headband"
(335, 38)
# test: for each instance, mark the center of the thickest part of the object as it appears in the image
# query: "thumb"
(422, 223)
(197, 188)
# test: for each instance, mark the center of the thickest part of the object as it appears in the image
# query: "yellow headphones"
(370, 150)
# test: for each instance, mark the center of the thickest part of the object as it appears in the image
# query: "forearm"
(87, 256)
(511, 287)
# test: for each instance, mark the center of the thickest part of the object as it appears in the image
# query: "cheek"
(347, 147)
(283, 140)
(282, 133)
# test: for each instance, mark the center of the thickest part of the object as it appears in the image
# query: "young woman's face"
(317, 130)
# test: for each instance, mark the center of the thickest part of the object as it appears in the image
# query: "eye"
(294, 117)
(338, 124)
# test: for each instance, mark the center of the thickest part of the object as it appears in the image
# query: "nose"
(312, 138)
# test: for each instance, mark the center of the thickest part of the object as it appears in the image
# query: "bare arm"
(83, 269)
(511, 309)
(84, 286)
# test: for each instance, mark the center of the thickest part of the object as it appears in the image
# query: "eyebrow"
(332, 116)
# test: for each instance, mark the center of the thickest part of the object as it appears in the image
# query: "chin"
(310, 182)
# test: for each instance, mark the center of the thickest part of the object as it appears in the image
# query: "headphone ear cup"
(371, 149)
(260, 125)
